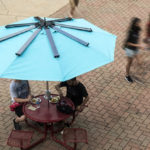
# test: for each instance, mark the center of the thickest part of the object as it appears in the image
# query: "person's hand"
(29, 98)
(142, 46)
(32, 96)
(61, 95)
(78, 108)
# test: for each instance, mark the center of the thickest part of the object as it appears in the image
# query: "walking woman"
(132, 45)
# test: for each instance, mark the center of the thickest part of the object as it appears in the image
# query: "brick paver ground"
(118, 115)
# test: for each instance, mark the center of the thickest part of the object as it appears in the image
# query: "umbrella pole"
(47, 86)
(47, 93)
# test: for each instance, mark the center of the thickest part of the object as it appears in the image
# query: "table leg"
(73, 118)
(40, 140)
(59, 141)
(58, 129)
(62, 128)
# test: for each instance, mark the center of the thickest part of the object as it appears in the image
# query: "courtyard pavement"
(118, 113)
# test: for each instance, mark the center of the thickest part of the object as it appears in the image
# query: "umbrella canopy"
(94, 49)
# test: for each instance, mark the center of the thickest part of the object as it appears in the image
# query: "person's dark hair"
(73, 79)
(133, 29)
(133, 26)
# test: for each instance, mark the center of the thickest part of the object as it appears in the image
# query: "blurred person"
(132, 45)
(73, 5)
(76, 91)
(20, 93)
(147, 39)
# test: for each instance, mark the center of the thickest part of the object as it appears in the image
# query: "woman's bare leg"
(72, 8)
(72, 11)
(138, 59)
(20, 119)
(128, 65)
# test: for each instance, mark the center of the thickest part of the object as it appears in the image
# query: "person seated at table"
(20, 93)
(76, 91)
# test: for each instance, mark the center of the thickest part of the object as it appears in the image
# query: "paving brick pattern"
(118, 114)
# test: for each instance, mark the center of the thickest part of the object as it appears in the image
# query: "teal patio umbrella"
(49, 49)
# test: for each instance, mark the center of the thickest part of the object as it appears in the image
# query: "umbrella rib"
(74, 27)
(16, 33)
(28, 42)
(39, 19)
(70, 36)
(42, 22)
(60, 20)
(20, 25)
(52, 43)
(36, 23)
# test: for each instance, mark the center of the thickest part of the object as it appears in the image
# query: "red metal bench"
(19, 138)
(75, 135)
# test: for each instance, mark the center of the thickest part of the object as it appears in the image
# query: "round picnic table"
(48, 115)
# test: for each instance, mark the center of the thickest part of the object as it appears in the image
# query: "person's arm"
(58, 88)
(83, 105)
(31, 95)
(85, 95)
(136, 45)
(85, 100)
(21, 100)
(132, 44)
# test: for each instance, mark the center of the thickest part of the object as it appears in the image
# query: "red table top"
(46, 113)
